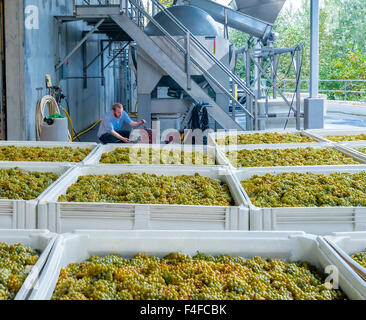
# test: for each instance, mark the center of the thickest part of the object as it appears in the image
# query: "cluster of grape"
(57, 154)
(360, 258)
(357, 137)
(264, 138)
(156, 156)
(16, 262)
(149, 189)
(181, 277)
(307, 190)
(288, 157)
(17, 184)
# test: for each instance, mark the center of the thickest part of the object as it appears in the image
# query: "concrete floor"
(343, 116)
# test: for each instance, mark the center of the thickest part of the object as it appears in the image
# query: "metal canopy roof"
(267, 10)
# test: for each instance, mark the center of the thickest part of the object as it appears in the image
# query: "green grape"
(181, 277)
(156, 156)
(360, 258)
(17, 184)
(264, 138)
(149, 189)
(307, 190)
(16, 262)
(288, 157)
(357, 137)
(56, 154)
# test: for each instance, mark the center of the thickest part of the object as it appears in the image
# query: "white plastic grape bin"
(95, 158)
(41, 240)
(321, 134)
(345, 244)
(288, 246)
(221, 154)
(223, 134)
(316, 220)
(48, 144)
(66, 217)
(22, 214)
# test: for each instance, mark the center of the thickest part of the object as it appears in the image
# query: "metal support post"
(102, 64)
(275, 71)
(345, 90)
(257, 83)
(57, 35)
(153, 9)
(226, 28)
(235, 88)
(298, 90)
(314, 107)
(85, 70)
(314, 49)
(188, 61)
(249, 101)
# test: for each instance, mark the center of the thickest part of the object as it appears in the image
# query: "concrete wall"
(40, 30)
(14, 55)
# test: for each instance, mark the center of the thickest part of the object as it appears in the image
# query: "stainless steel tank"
(197, 21)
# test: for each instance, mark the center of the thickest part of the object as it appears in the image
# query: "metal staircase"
(126, 18)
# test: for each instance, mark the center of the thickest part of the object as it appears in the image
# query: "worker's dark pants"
(108, 138)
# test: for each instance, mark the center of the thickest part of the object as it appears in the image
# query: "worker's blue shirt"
(111, 123)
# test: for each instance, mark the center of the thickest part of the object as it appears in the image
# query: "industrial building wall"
(90, 104)
(14, 55)
(40, 31)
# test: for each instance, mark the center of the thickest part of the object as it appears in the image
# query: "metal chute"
(266, 10)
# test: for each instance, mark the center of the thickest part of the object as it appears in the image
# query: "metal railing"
(191, 39)
(96, 2)
(345, 88)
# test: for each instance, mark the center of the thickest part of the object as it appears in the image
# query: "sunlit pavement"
(345, 116)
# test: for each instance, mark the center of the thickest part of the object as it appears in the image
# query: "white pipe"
(314, 49)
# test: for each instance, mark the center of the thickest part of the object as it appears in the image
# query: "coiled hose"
(52, 109)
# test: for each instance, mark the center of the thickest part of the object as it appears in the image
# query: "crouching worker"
(110, 130)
